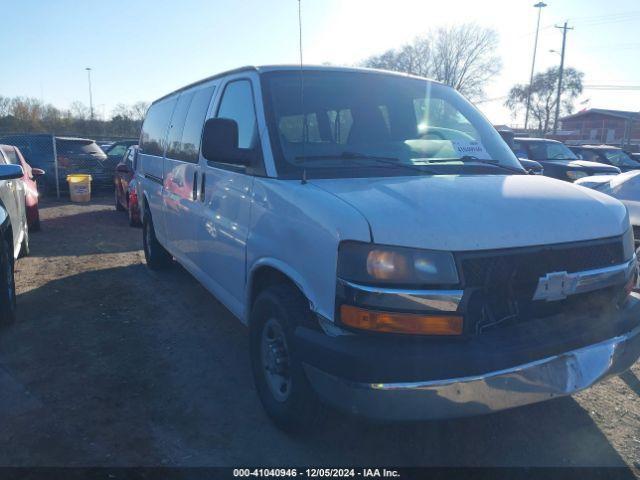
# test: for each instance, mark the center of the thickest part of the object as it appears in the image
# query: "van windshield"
(354, 124)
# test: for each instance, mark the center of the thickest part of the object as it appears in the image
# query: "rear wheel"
(155, 254)
(119, 207)
(35, 226)
(282, 385)
(7, 284)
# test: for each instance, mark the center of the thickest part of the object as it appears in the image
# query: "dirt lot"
(111, 364)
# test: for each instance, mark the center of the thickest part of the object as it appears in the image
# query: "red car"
(31, 187)
(126, 194)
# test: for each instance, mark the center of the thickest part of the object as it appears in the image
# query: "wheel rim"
(275, 360)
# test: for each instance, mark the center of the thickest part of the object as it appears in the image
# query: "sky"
(143, 49)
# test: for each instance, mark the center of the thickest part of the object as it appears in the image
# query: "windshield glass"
(620, 159)
(365, 124)
(550, 151)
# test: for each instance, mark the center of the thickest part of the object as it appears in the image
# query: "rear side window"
(155, 127)
(174, 139)
(192, 132)
(77, 147)
(237, 104)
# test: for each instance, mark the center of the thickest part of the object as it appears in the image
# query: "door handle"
(195, 186)
(202, 184)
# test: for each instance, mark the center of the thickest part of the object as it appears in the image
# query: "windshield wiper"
(471, 158)
(392, 161)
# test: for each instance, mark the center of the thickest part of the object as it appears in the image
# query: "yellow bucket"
(79, 187)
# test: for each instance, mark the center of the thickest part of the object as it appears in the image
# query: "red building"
(597, 126)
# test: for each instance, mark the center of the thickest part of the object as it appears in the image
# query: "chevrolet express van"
(387, 251)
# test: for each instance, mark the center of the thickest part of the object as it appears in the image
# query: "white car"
(625, 187)
(14, 234)
(387, 251)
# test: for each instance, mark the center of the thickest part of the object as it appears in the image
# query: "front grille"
(529, 264)
(502, 282)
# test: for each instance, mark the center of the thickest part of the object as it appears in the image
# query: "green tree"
(544, 92)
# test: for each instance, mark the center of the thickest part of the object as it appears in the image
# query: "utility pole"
(564, 44)
(539, 6)
(88, 69)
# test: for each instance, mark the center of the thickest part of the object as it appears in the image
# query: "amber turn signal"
(407, 323)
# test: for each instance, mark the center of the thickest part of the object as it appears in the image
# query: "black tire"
(119, 207)
(133, 222)
(155, 254)
(7, 284)
(35, 226)
(293, 406)
(24, 246)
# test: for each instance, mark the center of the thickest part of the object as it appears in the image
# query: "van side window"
(237, 104)
(155, 126)
(192, 132)
(174, 145)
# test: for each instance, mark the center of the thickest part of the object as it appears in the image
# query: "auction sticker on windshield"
(471, 148)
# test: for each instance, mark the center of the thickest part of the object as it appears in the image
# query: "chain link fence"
(60, 156)
(39, 150)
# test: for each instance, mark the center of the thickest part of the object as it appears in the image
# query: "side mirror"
(9, 172)
(122, 168)
(37, 172)
(220, 143)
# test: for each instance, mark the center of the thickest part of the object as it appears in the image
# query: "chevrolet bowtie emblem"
(555, 286)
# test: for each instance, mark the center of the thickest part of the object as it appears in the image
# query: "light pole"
(539, 6)
(88, 69)
(560, 73)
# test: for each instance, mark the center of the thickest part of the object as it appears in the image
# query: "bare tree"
(462, 56)
(465, 58)
(544, 96)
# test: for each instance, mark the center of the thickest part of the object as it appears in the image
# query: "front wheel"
(282, 385)
(155, 254)
(7, 284)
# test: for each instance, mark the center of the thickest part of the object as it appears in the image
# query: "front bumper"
(486, 390)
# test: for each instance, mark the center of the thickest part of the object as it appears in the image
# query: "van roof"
(291, 67)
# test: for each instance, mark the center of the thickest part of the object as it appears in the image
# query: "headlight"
(576, 174)
(628, 244)
(380, 264)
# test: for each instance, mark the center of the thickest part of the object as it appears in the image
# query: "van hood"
(480, 212)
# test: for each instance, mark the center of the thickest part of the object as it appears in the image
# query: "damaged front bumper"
(446, 396)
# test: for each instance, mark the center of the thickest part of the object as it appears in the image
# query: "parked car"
(126, 195)
(82, 155)
(625, 187)
(606, 154)
(14, 233)
(31, 197)
(531, 166)
(116, 151)
(557, 160)
(387, 251)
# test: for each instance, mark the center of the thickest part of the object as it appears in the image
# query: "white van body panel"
(290, 231)
(461, 213)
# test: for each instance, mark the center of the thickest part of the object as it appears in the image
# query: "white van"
(383, 244)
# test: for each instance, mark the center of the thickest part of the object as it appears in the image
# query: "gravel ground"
(110, 364)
